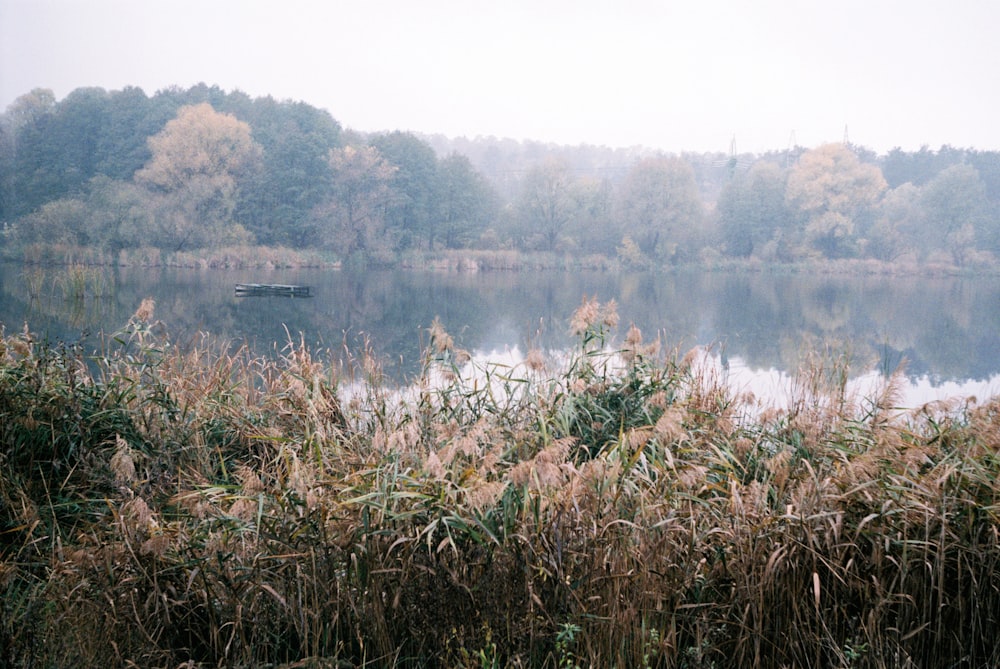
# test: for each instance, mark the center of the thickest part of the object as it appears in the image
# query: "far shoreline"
(475, 260)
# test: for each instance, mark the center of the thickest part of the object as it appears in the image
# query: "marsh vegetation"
(619, 506)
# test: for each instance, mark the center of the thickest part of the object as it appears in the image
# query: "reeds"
(74, 283)
(78, 282)
(615, 507)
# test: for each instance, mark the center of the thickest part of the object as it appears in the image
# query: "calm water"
(948, 330)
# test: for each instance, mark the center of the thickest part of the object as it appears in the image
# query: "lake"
(947, 330)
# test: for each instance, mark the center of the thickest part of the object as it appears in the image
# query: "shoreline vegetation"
(621, 507)
(203, 177)
(466, 260)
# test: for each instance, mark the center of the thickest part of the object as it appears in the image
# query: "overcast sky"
(671, 75)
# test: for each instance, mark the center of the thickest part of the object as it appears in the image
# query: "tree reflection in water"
(944, 330)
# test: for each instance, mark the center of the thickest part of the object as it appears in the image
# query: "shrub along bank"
(621, 507)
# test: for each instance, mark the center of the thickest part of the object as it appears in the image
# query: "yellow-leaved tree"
(197, 162)
(832, 188)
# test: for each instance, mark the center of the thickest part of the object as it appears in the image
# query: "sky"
(692, 75)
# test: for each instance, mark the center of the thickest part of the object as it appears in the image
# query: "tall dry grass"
(197, 507)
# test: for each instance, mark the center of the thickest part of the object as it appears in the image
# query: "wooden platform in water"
(276, 289)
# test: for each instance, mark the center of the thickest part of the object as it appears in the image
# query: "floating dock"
(275, 289)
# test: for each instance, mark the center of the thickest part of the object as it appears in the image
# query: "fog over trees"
(198, 168)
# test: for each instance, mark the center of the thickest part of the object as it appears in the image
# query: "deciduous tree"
(831, 188)
(546, 203)
(954, 204)
(352, 221)
(197, 160)
(29, 107)
(752, 209)
(58, 221)
(594, 229)
(119, 214)
(200, 143)
(660, 207)
(896, 225)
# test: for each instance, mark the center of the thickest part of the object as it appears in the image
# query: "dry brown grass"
(205, 508)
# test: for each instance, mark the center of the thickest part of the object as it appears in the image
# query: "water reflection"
(755, 390)
(778, 388)
(945, 329)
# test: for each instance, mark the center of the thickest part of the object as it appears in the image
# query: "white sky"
(671, 75)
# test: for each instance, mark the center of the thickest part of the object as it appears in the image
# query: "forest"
(203, 168)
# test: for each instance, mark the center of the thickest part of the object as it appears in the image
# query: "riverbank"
(161, 507)
(472, 260)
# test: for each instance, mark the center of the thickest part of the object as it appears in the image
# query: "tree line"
(202, 167)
